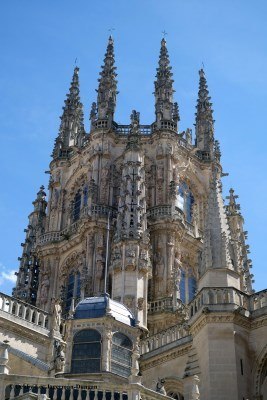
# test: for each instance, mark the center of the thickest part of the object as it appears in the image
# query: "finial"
(201, 73)
(164, 33)
(111, 30)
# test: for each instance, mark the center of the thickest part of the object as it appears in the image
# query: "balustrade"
(66, 389)
(225, 296)
(160, 339)
(24, 311)
(160, 305)
(94, 210)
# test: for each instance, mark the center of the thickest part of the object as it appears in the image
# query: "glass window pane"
(182, 287)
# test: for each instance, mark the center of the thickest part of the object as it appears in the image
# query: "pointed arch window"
(77, 206)
(188, 287)
(185, 201)
(73, 289)
(86, 352)
(85, 196)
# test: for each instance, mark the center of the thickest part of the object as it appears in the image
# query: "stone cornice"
(220, 317)
(161, 355)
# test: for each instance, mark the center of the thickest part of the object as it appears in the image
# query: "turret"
(130, 253)
(104, 109)
(27, 276)
(240, 249)
(166, 110)
(71, 131)
(204, 119)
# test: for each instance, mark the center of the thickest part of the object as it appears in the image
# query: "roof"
(97, 307)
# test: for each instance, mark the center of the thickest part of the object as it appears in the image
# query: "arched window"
(77, 206)
(185, 201)
(85, 196)
(188, 287)
(86, 352)
(73, 289)
(192, 287)
(121, 354)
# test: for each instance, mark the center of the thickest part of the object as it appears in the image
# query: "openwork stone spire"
(216, 244)
(107, 89)
(71, 132)
(204, 117)
(27, 276)
(240, 250)
(164, 107)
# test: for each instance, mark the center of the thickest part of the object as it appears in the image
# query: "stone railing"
(23, 311)
(221, 297)
(126, 129)
(160, 339)
(161, 305)
(94, 210)
(165, 211)
(258, 300)
(99, 210)
(70, 389)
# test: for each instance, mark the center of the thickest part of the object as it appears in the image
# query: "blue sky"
(39, 43)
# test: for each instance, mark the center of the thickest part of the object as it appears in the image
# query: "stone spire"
(240, 249)
(71, 131)
(27, 277)
(107, 88)
(204, 118)
(165, 109)
(216, 259)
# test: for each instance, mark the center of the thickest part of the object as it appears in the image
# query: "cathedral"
(135, 279)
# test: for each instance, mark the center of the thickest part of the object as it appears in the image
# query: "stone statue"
(177, 271)
(135, 359)
(99, 273)
(160, 172)
(160, 387)
(57, 314)
(159, 264)
(45, 283)
(188, 136)
(59, 360)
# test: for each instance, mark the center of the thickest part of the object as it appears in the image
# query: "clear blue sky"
(39, 43)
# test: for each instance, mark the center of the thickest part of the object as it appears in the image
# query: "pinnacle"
(232, 208)
(107, 88)
(203, 102)
(164, 86)
(204, 119)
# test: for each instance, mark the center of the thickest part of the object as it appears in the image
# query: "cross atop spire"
(164, 87)
(204, 116)
(107, 88)
(71, 129)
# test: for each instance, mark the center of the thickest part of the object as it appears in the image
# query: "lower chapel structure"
(134, 281)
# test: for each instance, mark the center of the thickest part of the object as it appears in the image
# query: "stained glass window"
(185, 201)
(85, 196)
(192, 286)
(121, 355)
(73, 289)
(86, 352)
(182, 287)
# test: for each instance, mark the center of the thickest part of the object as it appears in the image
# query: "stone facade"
(135, 211)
